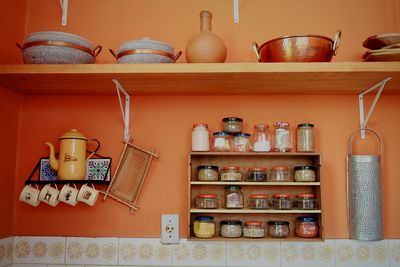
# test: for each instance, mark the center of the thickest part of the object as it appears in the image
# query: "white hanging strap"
(236, 11)
(64, 11)
(364, 121)
(124, 112)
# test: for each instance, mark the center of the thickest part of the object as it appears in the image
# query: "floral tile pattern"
(144, 251)
(308, 254)
(39, 250)
(92, 251)
(362, 253)
(394, 253)
(199, 253)
(253, 254)
(6, 251)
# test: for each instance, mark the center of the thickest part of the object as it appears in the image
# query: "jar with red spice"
(207, 201)
(307, 226)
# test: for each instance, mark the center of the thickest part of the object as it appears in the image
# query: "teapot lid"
(73, 134)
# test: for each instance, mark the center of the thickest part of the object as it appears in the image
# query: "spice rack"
(246, 160)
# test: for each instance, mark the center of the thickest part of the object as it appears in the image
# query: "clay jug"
(205, 47)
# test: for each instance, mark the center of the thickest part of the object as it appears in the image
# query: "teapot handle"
(97, 148)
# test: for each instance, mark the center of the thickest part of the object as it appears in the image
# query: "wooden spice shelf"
(256, 183)
(253, 211)
(202, 79)
(263, 239)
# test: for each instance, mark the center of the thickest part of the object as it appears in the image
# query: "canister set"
(305, 227)
(233, 139)
(51, 195)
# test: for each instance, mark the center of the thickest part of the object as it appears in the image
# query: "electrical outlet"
(169, 228)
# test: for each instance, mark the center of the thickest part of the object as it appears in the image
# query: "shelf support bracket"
(64, 12)
(364, 121)
(124, 110)
(236, 11)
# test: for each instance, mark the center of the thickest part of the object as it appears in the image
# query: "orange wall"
(9, 111)
(165, 122)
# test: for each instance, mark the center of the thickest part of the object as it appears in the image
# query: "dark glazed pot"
(298, 48)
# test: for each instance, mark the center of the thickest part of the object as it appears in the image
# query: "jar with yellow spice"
(204, 226)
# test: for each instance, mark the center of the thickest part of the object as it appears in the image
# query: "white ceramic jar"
(200, 137)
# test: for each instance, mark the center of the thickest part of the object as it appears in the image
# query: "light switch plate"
(169, 228)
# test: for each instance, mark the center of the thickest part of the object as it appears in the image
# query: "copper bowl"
(298, 48)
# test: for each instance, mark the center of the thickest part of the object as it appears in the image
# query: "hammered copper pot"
(298, 48)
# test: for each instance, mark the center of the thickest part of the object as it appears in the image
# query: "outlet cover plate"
(170, 228)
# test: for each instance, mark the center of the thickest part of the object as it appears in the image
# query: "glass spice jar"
(261, 139)
(200, 137)
(306, 202)
(282, 202)
(231, 228)
(207, 173)
(278, 229)
(231, 174)
(233, 197)
(207, 201)
(305, 137)
(307, 226)
(279, 174)
(222, 142)
(241, 142)
(253, 229)
(204, 226)
(305, 173)
(256, 174)
(283, 137)
(259, 202)
(232, 125)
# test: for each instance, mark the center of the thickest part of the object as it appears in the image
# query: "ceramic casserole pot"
(51, 47)
(145, 50)
(298, 48)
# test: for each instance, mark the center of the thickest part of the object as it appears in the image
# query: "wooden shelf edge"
(257, 183)
(289, 154)
(264, 239)
(254, 211)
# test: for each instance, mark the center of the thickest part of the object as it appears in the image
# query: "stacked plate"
(383, 47)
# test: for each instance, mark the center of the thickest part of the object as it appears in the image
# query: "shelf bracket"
(64, 12)
(236, 11)
(363, 121)
(124, 110)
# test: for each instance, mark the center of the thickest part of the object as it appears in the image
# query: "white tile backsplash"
(36, 251)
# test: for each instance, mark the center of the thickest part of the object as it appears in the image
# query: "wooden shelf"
(288, 154)
(253, 211)
(264, 239)
(256, 183)
(198, 79)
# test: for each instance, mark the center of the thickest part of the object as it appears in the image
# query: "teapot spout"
(52, 157)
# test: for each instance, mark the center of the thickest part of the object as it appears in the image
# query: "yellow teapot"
(71, 164)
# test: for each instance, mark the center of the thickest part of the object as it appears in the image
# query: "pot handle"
(97, 50)
(19, 46)
(177, 55)
(113, 53)
(97, 148)
(336, 42)
(256, 50)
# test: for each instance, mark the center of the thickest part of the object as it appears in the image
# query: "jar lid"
(253, 223)
(241, 135)
(303, 168)
(200, 124)
(233, 187)
(282, 195)
(305, 125)
(231, 168)
(222, 133)
(204, 218)
(278, 223)
(307, 219)
(231, 222)
(280, 168)
(258, 196)
(261, 126)
(209, 167)
(257, 169)
(306, 195)
(282, 124)
(207, 195)
(232, 119)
